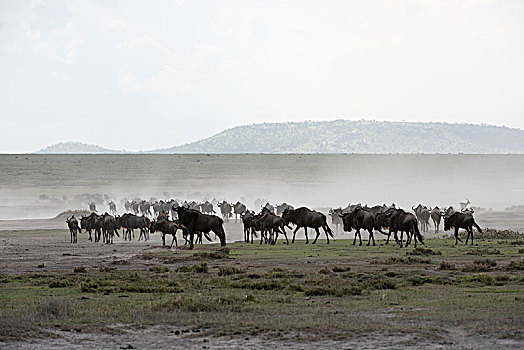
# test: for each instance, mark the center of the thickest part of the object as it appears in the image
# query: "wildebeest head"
(447, 222)
(287, 215)
(345, 221)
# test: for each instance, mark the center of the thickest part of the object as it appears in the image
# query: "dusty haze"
(318, 181)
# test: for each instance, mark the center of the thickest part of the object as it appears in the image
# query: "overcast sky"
(141, 75)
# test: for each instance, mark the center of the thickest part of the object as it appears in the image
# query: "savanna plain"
(140, 294)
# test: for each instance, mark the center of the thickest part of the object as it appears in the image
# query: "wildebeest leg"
(191, 237)
(318, 234)
(371, 237)
(163, 239)
(408, 238)
(305, 231)
(174, 240)
(294, 233)
(469, 230)
(401, 238)
(284, 233)
(274, 236)
(325, 227)
(457, 239)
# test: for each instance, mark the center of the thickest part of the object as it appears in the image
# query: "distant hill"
(345, 136)
(74, 148)
(341, 136)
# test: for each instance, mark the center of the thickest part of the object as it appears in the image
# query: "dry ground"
(59, 295)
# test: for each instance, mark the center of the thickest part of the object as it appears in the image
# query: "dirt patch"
(172, 337)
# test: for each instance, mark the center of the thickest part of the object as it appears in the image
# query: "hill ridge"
(341, 136)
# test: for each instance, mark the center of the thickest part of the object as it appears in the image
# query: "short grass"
(335, 290)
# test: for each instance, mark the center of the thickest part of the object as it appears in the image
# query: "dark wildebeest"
(436, 215)
(304, 217)
(89, 223)
(449, 211)
(384, 222)
(238, 209)
(404, 222)
(167, 228)
(423, 214)
(361, 218)
(130, 222)
(109, 228)
(207, 208)
(460, 220)
(248, 218)
(336, 218)
(72, 223)
(272, 225)
(92, 206)
(376, 209)
(195, 222)
(282, 207)
(225, 209)
(112, 207)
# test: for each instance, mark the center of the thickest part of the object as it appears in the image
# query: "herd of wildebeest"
(195, 219)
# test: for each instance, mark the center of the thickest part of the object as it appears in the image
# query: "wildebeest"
(167, 228)
(250, 225)
(259, 202)
(145, 208)
(423, 214)
(460, 220)
(92, 207)
(272, 225)
(304, 217)
(225, 209)
(336, 218)
(361, 218)
(195, 222)
(376, 209)
(72, 224)
(129, 222)
(269, 207)
(238, 209)
(282, 207)
(436, 215)
(402, 221)
(112, 207)
(109, 228)
(90, 223)
(207, 208)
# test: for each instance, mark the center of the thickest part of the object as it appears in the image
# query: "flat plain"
(57, 295)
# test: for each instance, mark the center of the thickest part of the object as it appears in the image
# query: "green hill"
(345, 136)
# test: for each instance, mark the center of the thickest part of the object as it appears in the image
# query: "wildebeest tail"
(328, 229)
(477, 226)
(417, 232)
